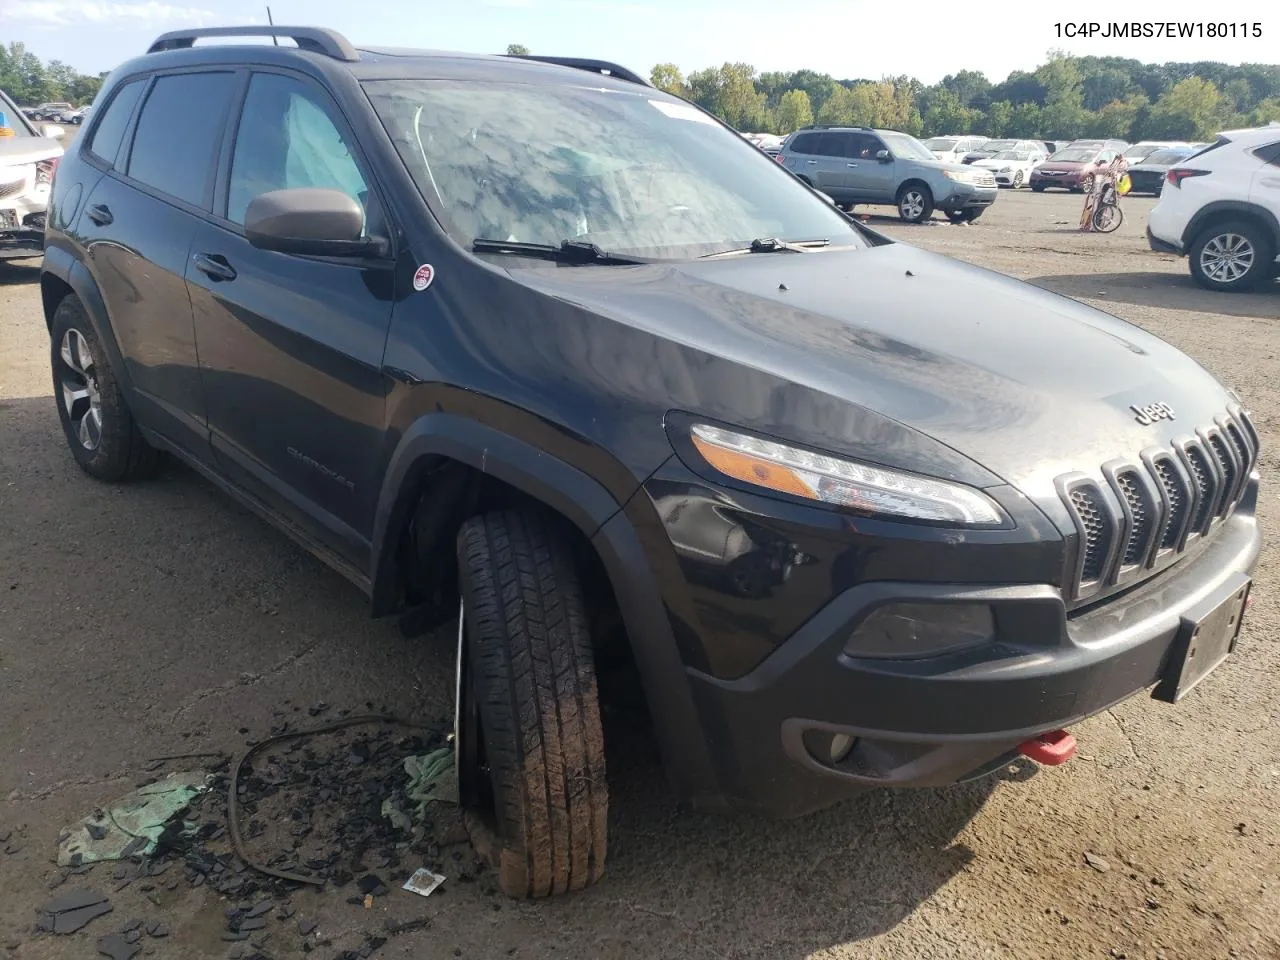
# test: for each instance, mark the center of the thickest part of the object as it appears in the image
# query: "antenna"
(275, 41)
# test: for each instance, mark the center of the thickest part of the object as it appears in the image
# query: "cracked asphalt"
(161, 618)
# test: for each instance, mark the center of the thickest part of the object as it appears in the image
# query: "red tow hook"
(1051, 749)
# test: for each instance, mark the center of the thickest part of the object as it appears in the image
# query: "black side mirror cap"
(312, 221)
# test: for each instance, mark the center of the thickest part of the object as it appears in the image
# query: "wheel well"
(447, 493)
(908, 183)
(1251, 217)
(52, 292)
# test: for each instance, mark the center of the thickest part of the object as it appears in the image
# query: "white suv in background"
(1221, 208)
(27, 160)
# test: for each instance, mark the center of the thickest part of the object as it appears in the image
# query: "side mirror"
(52, 131)
(883, 156)
(310, 221)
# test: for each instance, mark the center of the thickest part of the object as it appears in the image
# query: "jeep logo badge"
(1151, 413)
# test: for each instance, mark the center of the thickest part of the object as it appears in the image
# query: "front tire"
(1037, 188)
(1231, 256)
(967, 215)
(915, 202)
(99, 427)
(529, 668)
(1017, 179)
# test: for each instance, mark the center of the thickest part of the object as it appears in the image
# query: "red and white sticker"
(423, 276)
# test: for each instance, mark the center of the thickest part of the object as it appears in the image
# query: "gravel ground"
(161, 618)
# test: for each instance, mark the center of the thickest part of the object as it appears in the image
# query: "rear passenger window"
(110, 130)
(804, 143)
(288, 139)
(1269, 154)
(179, 132)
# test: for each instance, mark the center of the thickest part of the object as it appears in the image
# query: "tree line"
(1064, 98)
(28, 80)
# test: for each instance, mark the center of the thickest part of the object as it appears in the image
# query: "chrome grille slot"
(1204, 490)
(1176, 499)
(1097, 531)
(1152, 507)
(1230, 471)
(1142, 517)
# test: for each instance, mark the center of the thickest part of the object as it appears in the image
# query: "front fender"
(593, 510)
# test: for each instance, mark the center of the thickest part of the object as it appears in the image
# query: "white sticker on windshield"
(682, 111)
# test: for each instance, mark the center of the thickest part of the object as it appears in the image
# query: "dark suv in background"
(564, 361)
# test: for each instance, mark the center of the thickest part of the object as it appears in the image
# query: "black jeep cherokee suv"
(535, 346)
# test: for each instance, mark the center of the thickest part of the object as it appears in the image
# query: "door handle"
(811, 162)
(850, 164)
(214, 266)
(100, 214)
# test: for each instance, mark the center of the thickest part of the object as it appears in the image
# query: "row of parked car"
(57, 112)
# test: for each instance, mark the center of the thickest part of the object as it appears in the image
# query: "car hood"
(15, 150)
(1026, 383)
(1069, 166)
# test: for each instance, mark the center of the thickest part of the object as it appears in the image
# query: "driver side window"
(287, 139)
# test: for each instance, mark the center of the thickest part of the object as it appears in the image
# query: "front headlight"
(959, 176)
(814, 476)
(1004, 169)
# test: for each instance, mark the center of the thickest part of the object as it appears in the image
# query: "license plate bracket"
(1206, 637)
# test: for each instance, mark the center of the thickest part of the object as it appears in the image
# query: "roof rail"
(315, 39)
(592, 66)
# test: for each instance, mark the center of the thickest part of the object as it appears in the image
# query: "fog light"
(841, 745)
(912, 631)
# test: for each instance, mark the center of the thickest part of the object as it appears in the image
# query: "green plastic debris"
(133, 823)
(433, 778)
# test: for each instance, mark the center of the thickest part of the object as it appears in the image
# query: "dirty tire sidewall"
(122, 452)
(530, 659)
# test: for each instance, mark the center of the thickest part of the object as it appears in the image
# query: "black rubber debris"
(72, 920)
(259, 908)
(133, 936)
(158, 929)
(255, 923)
(307, 926)
(372, 883)
(117, 948)
(73, 900)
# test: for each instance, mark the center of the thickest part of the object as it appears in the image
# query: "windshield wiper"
(771, 245)
(568, 251)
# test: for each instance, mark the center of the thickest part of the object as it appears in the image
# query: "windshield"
(1166, 156)
(941, 144)
(905, 147)
(995, 146)
(633, 173)
(12, 122)
(1075, 155)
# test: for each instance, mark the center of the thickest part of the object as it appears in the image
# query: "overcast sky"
(847, 38)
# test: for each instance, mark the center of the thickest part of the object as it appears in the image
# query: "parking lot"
(160, 619)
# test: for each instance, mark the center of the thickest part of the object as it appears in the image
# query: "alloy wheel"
(912, 205)
(78, 384)
(1227, 258)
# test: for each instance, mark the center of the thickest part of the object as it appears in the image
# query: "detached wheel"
(534, 778)
(99, 427)
(915, 202)
(1230, 256)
